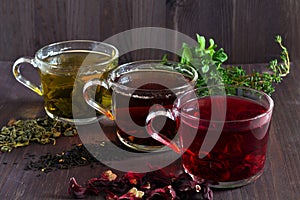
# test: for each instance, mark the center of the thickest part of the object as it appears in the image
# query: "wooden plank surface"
(246, 29)
(281, 179)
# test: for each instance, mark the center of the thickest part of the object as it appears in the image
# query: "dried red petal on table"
(76, 190)
(135, 186)
(133, 178)
(167, 193)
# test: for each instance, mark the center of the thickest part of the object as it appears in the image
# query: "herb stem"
(204, 59)
(284, 56)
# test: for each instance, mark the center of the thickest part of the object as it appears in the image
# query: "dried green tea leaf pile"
(20, 133)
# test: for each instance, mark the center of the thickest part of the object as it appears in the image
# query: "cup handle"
(17, 74)
(158, 136)
(87, 94)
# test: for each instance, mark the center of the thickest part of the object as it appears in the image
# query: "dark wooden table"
(281, 179)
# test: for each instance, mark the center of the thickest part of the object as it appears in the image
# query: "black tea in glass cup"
(137, 88)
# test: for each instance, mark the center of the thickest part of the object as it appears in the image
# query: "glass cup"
(223, 133)
(138, 87)
(64, 68)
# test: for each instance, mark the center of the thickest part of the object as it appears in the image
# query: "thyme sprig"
(209, 62)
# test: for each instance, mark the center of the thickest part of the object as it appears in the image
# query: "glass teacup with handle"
(64, 68)
(138, 88)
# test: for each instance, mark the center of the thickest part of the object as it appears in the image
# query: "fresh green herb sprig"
(208, 61)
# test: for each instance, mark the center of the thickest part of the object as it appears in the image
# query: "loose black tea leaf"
(45, 130)
(134, 186)
(77, 156)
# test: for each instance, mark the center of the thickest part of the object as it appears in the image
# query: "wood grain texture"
(246, 29)
(209, 18)
(255, 25)
(281, 178)
(149, 13)
(29, 25)
(292, 21)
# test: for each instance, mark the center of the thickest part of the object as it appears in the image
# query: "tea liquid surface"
(153, 89)
(58, 81)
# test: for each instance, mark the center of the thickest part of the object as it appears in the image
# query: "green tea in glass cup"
(64, 68)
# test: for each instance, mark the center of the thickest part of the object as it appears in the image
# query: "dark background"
(244, 28)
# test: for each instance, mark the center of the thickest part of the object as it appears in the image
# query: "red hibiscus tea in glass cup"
(223, 133)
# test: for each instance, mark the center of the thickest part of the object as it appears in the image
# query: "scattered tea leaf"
(20, 133)
(77, 156)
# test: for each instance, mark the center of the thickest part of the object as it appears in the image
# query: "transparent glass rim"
(192, 82)
(111, 47)
(267, 112)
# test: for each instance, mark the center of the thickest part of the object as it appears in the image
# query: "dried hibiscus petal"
(184, 182)
(133, 178)
(109, 175)
(167, 193)
(133, 194)
(207, 193)
(159, 178)
(149, 186)
(111, 196)
(76, 190)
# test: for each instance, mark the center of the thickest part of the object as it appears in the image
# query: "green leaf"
(220, 56)
(186, 56)
(278, 39)
(201, 42)
(211, 44)
(205, 68)
(202, 59)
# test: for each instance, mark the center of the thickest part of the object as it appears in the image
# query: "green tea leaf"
(42, 130)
